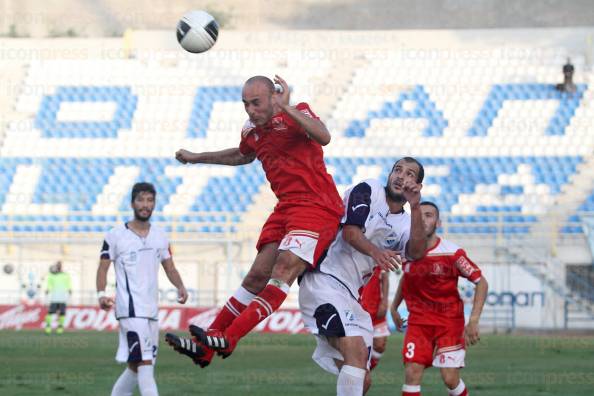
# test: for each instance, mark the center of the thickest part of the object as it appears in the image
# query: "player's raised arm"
(175, 279)
(417, 242)
(312, 125)
(230, 156)
(471, 332)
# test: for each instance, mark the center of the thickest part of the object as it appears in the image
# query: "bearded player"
(436, 334)
(376, 231)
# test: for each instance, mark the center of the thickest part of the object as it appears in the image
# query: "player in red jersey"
(374, 299)
(436, 334)
(288, 142)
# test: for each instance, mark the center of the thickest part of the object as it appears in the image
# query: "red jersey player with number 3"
(288, 142)
(436, 334)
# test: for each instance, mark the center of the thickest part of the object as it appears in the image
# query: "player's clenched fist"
(183, 156)
(106, 303)
(412, 192)
(471, 333)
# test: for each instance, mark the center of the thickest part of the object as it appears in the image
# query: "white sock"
(411, 388)
(125, 384)
(350, 381)
(244, 296)
(146, 381)
(457, 390)
(280, 284)
(376, 355)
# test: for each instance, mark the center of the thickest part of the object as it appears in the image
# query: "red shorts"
(423, 342)
(306, 231)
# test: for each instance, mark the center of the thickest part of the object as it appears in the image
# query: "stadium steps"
(258, 211)
(334, 85)
(581, 183)
(533, 261)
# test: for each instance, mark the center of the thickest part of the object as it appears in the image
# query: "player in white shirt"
(137, 248)
(376, 231)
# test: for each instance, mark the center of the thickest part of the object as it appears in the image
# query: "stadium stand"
(500, 143)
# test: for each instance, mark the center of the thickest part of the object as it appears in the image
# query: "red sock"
(262, 306)
(411, 390)
(231, 310)
(373, 363)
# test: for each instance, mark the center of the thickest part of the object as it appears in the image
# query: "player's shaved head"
(257, 95)
(265, 81)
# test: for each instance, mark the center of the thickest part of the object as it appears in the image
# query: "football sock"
(262, 306)
(375, 358)
(61, 320)
(146, 380)
(350, 381)
(232, 309)
(459, 390)
(125, 384)
(48, 322)
(411, 390)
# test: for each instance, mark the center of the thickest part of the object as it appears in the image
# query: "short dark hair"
(261, 79)
(143, 187)
(568, 67)
(421, 174)
(429, 203)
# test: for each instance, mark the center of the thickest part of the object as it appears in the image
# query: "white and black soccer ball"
(197, 31)
(8, 269)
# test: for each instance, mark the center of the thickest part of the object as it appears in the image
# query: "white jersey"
(136, 261)
(366, 207)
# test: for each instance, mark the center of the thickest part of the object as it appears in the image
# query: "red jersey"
(293, 162)
(430, 285)
(371, 293)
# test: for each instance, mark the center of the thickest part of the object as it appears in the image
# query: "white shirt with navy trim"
(136, 261)
(366, 206)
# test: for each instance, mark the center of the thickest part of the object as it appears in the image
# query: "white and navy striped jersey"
(136, 261)
(366, 207)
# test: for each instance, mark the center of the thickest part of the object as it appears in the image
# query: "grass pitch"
(82, 363)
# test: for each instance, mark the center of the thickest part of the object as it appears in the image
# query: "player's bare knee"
(451, 377)
(359, 358)
(288, 267)
(379, 344)
(255, 280)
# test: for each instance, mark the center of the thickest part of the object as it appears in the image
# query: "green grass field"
(82, 363)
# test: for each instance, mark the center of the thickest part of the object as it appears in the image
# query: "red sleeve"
(305, 109)
(466, 268)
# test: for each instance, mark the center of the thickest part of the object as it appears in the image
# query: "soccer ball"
(8, 269)
(197, 31)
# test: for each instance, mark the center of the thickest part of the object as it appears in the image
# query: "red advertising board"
(78, 317)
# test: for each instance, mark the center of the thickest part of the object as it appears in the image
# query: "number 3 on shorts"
(410, 350)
